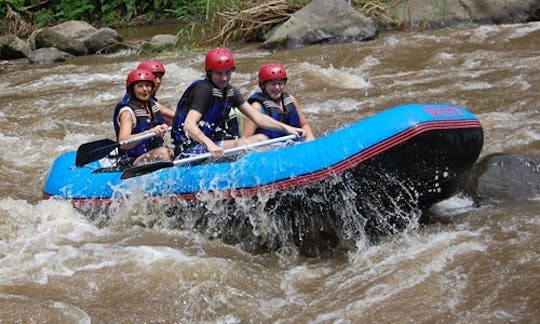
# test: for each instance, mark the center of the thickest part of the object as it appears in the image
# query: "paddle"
(143, 169)
(96, 150)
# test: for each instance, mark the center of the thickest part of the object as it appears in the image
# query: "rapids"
(468, 264)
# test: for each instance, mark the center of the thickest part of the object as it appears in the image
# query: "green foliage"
(43, 18)
(17, 5)
(74, 9)
(110, 18)
(122, 12)
(189, 10)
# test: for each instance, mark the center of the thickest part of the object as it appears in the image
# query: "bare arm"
(268, 122)
(303, 121)
(191, 127)
(167, 113)
(249, 126)
(125, 121)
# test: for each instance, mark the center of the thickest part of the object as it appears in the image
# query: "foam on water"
(518, 80)
(33, 235)
(52, 239)
(147, 255)
(519, 31)
(346, 105)
(454, 205)
(345, 78)
(484, 34)
(368, 62)
(18, 309)
(514, 128)
(177, 78)
(68, 80)
(394, 269)
(22, 153)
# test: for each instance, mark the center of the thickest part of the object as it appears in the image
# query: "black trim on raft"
(375, 193)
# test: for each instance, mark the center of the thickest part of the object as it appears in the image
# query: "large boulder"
(103, 40)
(505, 177)
(440, 13)
(75, 29)
(12, 47)
(322, 21)
(48, 37)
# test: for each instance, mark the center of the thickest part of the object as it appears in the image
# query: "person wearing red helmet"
(274, 102)
(202, 122)
(140, 114)
(158, 70)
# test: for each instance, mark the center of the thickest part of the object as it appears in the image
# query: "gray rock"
(47, 37)
(160, 42)
(75, 29)
(505, 177)
(46, 55)
(440, 13)
(12, 47)
(103, 41)
(322, 21)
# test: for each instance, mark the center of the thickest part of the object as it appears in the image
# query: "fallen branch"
(250, 24)
(15, 24)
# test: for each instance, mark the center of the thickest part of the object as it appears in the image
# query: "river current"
(470, 264)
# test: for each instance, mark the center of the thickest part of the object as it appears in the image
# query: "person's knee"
(170, 154)
(164, 153)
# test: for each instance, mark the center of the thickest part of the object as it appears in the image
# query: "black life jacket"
(215, 122)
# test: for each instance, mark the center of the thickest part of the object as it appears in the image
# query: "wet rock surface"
(505, 177)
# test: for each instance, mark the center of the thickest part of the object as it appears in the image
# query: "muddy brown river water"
(472, 265)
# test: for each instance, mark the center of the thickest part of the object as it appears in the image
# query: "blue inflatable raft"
(383, 167)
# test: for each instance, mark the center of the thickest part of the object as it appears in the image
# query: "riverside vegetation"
(206, 22)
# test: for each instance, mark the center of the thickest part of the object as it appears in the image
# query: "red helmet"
(219, 58)
(139, 75)
(272, 71)
(152, 66)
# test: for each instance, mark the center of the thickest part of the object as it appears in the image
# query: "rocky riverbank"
(320, 22)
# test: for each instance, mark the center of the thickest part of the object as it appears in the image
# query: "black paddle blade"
(142, 169)
(94, 151)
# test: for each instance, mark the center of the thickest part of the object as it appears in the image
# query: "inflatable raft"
(367, 177)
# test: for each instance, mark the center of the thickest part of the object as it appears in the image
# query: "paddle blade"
(142, 169)
(94, 151)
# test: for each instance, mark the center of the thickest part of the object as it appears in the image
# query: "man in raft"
(202, 123)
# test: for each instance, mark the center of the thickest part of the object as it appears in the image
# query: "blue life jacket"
(215, 122)
(143, 123)
(288, 116)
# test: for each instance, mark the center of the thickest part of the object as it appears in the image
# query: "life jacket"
(143, 123)
(288, 116)
(215, 123)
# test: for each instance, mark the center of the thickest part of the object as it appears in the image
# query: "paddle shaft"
(151, 167)
(96, 150)
(235, 149)
(139, 138)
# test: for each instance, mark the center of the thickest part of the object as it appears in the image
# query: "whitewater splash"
(338, 214)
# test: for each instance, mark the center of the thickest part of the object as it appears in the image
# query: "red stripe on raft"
(312, 177)
(358, 158)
